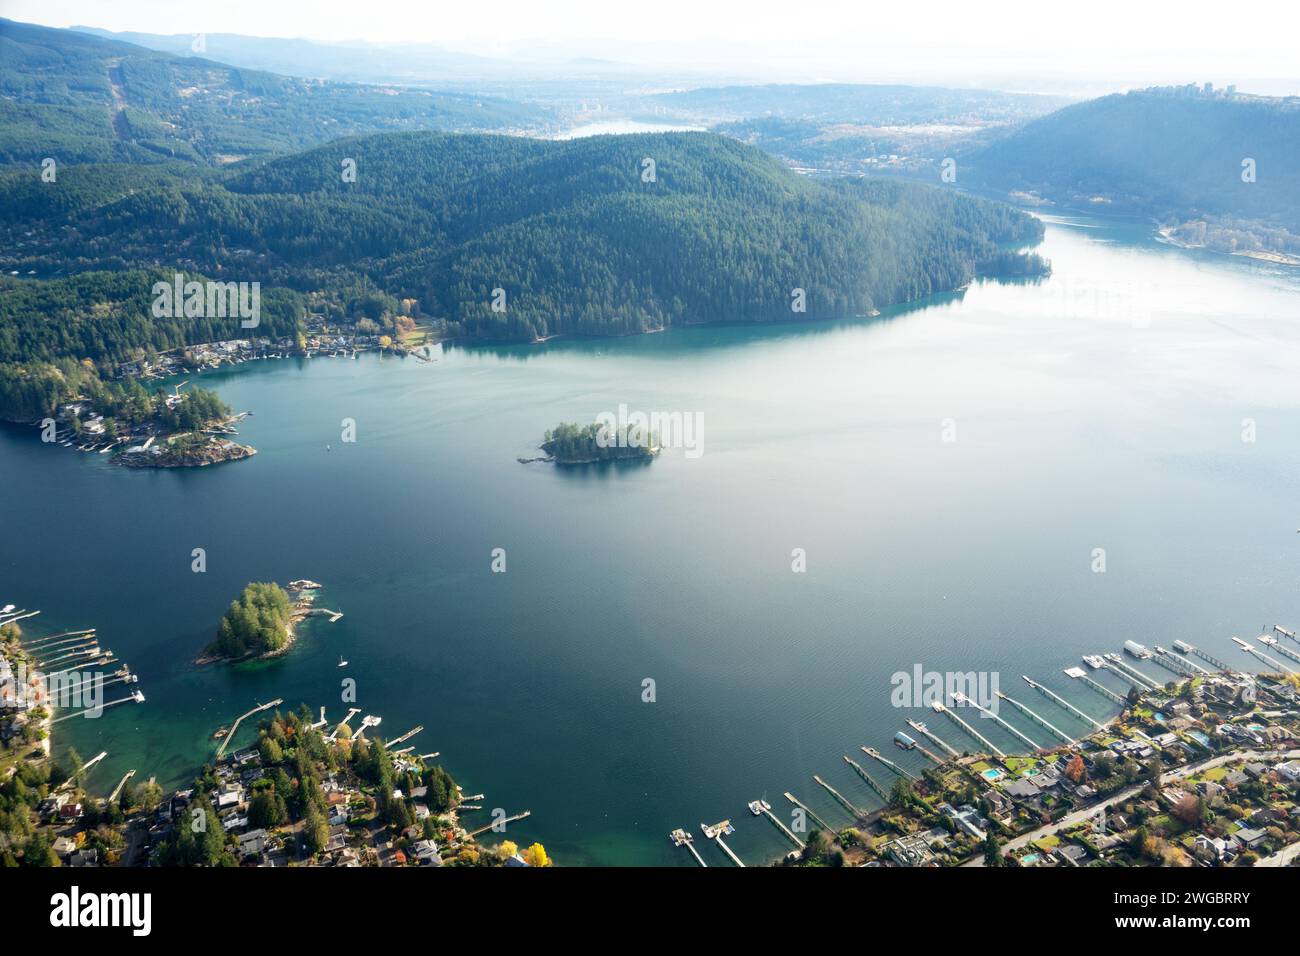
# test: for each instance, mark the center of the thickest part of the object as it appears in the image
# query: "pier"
(17, 616)
(808, 810)
(876, 755)
(684, 838)
(921, 728)
(117, 791)
(853, 811)
(404, 738)
(716, 832)
(1206, 656)
(1286, 651)
(1122, 670)
(1184, 651)
(764, 808)
(867, 778)
(85, 767)
(500, 824)
(1080, 675)
(1256, 652)
(40, 645)
(136, 698)
(965, 701)
(230, 735)
(352, 712)
(988, 744)
(1042, 722)
(1096, 725)
(1174, 663)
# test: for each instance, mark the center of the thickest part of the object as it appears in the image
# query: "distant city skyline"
(1120, 43)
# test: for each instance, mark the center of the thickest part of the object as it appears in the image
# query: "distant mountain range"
(79, 98)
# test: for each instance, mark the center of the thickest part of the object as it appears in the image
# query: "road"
(1078, 816)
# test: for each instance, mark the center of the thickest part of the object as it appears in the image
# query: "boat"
(8, 609)
(903, 741)
(342, 662)
(1095, 661)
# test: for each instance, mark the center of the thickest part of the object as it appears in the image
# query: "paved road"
(1078, 816)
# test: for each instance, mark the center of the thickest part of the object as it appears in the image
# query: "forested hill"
(79, 98)
(578, 235)
(1172, 153)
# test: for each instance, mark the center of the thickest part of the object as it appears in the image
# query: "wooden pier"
(808, 810)
(880, 758)
(921, 728)
(867, 778)
(715, 833)
(1096, 725)
(230, 735)
(988, 744)
(404, 738)
(684, 838)
(112, 797)
(1041, 721)
(856, 813)
(764, 808)
(500, 824)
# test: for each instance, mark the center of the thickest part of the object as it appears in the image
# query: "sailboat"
(342, 662)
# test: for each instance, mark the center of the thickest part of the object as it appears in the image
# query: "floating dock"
(1096, 725)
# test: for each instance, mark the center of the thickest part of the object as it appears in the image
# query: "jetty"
(808, 810)
(499, 825)
(1096, 725)
(1256, 652)
(843, 801)
(685, 838)
(715, 833)
(921, 728)
(117, 791)
(988, 744)
(963, 701)
(867, 778)
(1117, 667)
(404, 738)
(230, 734)
(1080, 675)
(875, 754)
(763, 808)
(352, 712)
(1041, 721)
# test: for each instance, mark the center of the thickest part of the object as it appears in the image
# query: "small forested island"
(261, 624)
(571, 444)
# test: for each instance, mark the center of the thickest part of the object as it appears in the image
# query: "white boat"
(1095, 661)
(8, 609)
(342, 662)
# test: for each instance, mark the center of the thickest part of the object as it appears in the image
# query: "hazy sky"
(1220, 41)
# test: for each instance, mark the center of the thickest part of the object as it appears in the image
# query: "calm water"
(1100, 409)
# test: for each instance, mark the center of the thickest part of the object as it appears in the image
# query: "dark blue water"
(1103, 408)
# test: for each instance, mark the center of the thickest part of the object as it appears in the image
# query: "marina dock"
(1041, 721)
(965, 701)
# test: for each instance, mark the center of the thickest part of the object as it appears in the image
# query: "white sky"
(1219, 41)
